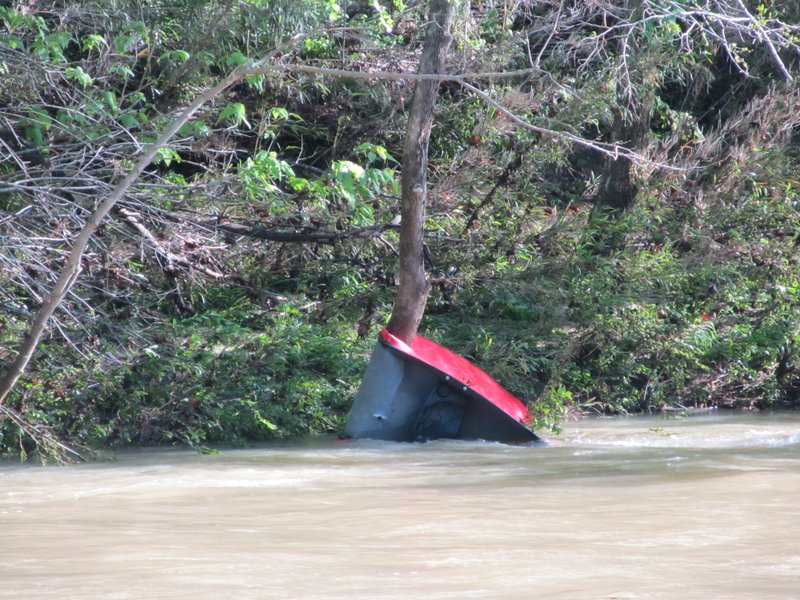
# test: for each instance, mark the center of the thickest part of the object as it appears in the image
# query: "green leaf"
(34, 135)
(194, 128)
(207, 58)
(299, 184)
(128, 121)
(123, 42)
(259, 174)
(60, 39)
(13, 42)
(374, 152)
(166, 156)
(136, 98)
(235, 59)
(363, 215)
(140, 27)
(123, 71)
(111, 100)
(334, 11)
(39, 117)
(177, 56)
(345, 167)
(236, 113)
(257, 82)
(180, 55)
(79, 75)
(92, 41)
(278, 113)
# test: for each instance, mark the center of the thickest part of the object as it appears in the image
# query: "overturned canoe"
(424, 391)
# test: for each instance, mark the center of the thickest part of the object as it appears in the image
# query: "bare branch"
(73, 267)
(762, 35)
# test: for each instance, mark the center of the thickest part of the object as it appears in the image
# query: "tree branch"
(317, 237)
(613, 151)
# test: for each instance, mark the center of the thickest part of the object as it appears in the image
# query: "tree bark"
(618, 189)
(412, 293)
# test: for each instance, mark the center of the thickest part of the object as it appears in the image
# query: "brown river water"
(706, 507)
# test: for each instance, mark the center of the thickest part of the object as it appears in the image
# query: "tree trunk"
(618, 189)
(413, 287)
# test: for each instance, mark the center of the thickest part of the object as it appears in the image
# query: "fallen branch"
(612, 150)
(169, 262)
(317, 237)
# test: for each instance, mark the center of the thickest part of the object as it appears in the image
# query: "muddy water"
(701, 507)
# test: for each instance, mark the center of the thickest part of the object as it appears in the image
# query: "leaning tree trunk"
(413, 287)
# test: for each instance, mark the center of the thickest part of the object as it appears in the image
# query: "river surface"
(701, 507)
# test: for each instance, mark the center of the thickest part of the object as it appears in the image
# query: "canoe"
(424, 391)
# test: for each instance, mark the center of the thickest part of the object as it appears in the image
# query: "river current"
(706, 506)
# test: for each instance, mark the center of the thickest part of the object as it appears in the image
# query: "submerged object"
(424, 391)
